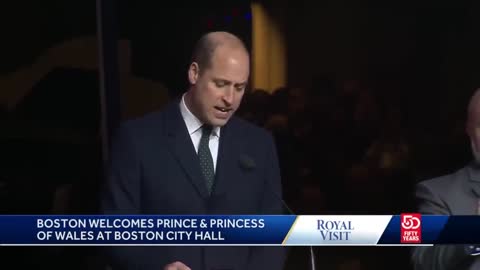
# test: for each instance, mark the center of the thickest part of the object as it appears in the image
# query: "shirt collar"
(193, 123)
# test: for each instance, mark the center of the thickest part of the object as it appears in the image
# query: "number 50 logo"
(410, 231)
(410, 222)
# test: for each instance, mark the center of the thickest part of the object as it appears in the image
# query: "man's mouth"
(223, 109)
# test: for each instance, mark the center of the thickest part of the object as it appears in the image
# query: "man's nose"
(228, 96)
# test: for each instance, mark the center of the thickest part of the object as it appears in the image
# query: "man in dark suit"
(195, 157)
(454, 194)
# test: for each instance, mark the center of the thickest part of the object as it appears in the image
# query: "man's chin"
(219, 122)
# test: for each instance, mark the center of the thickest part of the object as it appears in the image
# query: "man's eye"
(220, 84)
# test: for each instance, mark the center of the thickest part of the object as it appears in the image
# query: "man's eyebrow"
(241, 84)
(228, 82)
(222, 80)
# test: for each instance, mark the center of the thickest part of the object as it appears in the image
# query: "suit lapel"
(227, 161)
(182, 148)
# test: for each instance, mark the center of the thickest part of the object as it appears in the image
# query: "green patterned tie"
(206, 160)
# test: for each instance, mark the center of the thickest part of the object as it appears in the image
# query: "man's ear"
(193, 73)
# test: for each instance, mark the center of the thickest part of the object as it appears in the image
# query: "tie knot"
(206, 130)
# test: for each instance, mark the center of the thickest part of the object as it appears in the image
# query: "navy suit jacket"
(154, 169)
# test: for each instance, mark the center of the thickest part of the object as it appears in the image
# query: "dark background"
(366, 80)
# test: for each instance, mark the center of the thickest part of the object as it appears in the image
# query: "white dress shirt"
(194, 129)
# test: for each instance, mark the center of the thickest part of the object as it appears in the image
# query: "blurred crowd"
(345, 147)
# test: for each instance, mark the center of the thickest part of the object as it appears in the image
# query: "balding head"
(205, 47)
(218, 76)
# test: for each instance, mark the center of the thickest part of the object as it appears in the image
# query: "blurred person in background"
(454, 194)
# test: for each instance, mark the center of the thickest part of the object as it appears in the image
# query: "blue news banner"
(271, 230)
